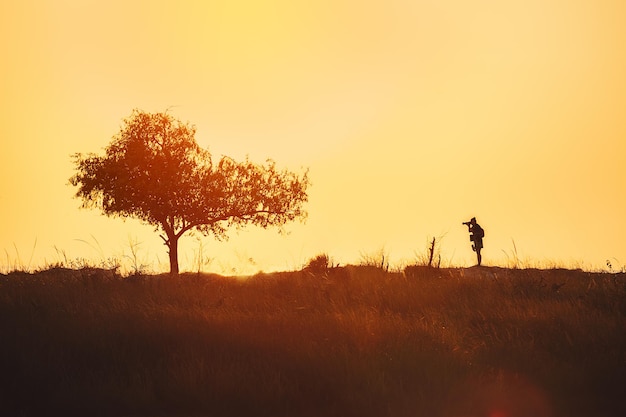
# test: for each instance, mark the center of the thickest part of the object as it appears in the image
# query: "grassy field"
(351, 341)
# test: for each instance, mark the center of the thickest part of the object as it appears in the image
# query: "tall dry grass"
(352, 341)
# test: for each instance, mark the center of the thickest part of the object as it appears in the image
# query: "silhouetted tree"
(154, 170)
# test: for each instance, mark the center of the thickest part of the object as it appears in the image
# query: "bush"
(319, 264)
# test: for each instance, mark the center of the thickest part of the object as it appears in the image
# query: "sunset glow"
(412, 117)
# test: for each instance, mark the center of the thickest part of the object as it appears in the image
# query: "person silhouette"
(476, 237)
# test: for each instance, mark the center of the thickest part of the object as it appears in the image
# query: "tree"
(154, 170)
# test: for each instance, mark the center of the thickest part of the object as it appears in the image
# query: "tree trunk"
(172, 245)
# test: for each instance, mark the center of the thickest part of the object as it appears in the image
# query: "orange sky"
(412, 116)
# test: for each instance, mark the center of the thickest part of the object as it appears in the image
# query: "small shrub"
(319, 264)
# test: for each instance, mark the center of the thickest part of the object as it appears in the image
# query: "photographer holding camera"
(476, 237)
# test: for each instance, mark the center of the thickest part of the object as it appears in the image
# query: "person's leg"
(478, 255)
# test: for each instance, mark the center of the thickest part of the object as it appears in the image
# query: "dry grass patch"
(334, 342)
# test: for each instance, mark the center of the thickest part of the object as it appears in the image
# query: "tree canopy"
(154, 170)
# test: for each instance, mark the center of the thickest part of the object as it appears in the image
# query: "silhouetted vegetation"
(319, 264)
(154, 171)
(355, 341)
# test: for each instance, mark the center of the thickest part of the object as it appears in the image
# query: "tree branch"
(226, 217)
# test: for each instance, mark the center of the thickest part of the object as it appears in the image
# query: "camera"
(467, 223)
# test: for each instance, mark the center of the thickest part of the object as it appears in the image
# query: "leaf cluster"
(154, 170)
